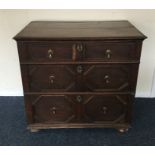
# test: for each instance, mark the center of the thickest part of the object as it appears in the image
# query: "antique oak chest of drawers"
(79, 74)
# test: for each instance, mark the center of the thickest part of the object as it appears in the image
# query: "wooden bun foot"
(34, 130)
(123, 130)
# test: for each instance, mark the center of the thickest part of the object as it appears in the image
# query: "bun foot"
(34, 130)
(123, 130)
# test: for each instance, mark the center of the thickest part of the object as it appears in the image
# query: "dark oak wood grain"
(79, 74)
(80, 30)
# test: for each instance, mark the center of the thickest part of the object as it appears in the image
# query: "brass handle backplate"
(79, 47)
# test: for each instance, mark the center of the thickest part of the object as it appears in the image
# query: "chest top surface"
(79, 30)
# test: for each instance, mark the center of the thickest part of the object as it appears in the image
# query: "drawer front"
(78, 108)
(44, 78)
(79, 78)
(107, 108)
(47, 51)
(50, 109)
(50, 52)
(79, 51)
(109, 77)
(111, 51)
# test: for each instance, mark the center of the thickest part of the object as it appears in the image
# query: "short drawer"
(45, 51)
(111, 51)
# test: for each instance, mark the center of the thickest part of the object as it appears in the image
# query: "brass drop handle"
(104, 108)
(51, 79)
(50, 53)
(79, 69)
(53, 110)
(108, 53)
(79, 98)
(107, 79)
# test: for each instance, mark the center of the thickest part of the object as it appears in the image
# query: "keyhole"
(79, 98)
(79, 69)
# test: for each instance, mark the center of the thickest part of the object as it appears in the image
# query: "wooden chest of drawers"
(79, 74)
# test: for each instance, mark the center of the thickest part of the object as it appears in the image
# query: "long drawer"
(55, 51)
(77, 108)
(79, 78)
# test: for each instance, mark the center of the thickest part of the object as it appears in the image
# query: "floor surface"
(13, 128)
